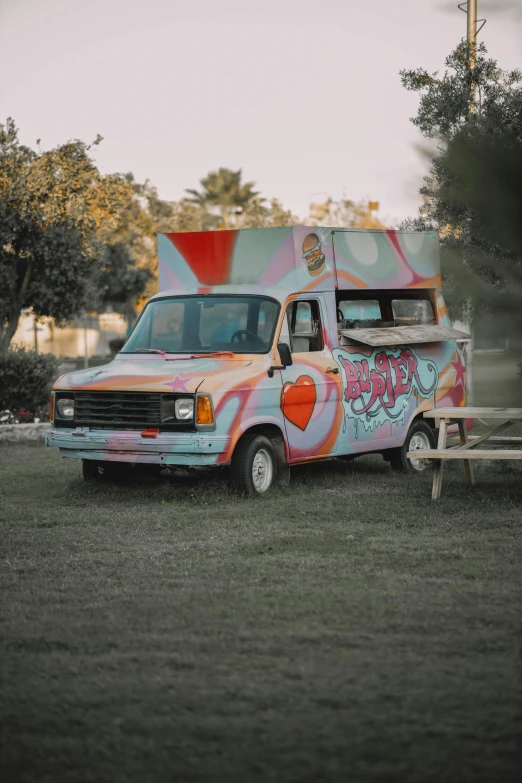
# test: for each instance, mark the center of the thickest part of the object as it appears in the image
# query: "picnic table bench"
(466, 449)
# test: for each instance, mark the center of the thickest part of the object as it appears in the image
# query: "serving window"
(385, 309)
(413, 312)
(360, 310)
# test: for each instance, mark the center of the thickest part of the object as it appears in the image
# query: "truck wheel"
(254, 466)
(420, 436)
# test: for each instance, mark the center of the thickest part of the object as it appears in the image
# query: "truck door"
(311, 393)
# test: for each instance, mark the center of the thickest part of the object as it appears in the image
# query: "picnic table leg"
(439, 464)
(468, 467)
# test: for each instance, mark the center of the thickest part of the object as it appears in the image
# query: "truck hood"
(153, 373)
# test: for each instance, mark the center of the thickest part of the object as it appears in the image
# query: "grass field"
(343, 629)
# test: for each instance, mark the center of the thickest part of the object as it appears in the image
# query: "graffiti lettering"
(381, 392)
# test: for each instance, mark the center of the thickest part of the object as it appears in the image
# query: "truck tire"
(420, 436)
(254, 465)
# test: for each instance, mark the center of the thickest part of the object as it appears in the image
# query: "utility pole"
(470, 9)
(472, 31)
(472, 43)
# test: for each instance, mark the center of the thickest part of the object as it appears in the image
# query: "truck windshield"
(205, 324)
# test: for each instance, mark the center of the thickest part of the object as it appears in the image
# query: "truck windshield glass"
(205, 324)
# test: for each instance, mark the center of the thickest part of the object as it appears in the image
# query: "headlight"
(180, 409)
(65, 408)
(184, 408)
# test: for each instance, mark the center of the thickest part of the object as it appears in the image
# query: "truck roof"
(296, 259)
(278, 292)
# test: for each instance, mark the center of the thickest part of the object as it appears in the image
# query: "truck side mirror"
(285, 354)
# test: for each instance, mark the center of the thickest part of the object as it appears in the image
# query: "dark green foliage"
(26, 378)
(120, 281)
(129, 262)
(483, 174)
(473, 193)
(444, 105)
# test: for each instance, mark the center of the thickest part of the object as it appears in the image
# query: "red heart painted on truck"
(298, 401)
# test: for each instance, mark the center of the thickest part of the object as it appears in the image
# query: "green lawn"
(343, 629)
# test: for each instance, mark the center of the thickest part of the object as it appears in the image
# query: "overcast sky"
(303, 95)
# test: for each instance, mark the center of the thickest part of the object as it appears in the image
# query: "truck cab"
(266, 348)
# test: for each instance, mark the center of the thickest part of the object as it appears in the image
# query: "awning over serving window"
(403, 335)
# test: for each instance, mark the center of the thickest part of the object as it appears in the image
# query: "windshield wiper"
(212, 353)
(199, 355)
(169, 358)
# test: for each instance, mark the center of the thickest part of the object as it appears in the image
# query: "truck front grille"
(117, 410)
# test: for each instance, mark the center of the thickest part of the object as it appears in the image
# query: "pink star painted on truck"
(178, 384)
(459, 369)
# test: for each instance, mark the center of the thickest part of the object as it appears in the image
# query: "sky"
(304, 96)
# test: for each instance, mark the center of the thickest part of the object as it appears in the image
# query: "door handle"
(334, 370)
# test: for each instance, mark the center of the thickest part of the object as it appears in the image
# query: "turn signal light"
(51, 408)
(150, 433)
(204, 413)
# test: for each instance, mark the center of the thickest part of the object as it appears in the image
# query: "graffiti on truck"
(377, 388)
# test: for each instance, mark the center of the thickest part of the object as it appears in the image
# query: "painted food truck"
(270, 347)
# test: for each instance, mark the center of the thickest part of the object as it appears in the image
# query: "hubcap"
(419, 442)
(262, 470)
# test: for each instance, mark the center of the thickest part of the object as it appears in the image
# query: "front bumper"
(167, 448)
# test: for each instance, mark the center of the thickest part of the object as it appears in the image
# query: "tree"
(120, 281)
(224, 196)
(472, 192)
(160, 212)
(444, 105)
(129, 263)
(55, 211)
(345, 213)
(483, 193)
(256, 215)
(189, 216)
(128, 272)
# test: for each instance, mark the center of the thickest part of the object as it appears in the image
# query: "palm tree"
(222, 192)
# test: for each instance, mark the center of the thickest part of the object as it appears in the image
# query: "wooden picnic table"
(466, 449)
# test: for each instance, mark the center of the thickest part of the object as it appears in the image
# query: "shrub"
(26, 378)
